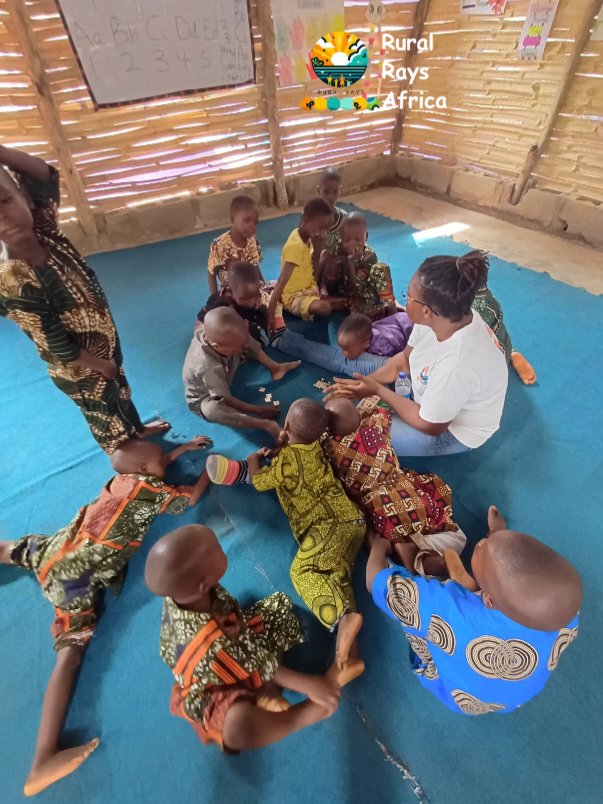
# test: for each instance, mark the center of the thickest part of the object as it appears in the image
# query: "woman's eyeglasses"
(406, 297)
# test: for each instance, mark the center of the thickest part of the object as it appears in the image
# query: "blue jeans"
(407, 441)
(326, 356)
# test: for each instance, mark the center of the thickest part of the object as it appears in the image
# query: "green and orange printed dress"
(92, 551)
(61, 306)
(213, 669)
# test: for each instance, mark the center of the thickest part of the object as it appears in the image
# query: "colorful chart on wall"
(142, 49)
(298, 26)
(536, 29)
(597, 34)
(483, 6)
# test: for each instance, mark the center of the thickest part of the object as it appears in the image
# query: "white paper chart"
(139, 49)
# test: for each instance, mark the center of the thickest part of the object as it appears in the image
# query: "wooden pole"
(417, 32)
(537, 149)
(19, 23)
(270, 101)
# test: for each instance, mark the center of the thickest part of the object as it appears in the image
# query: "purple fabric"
(390, 335)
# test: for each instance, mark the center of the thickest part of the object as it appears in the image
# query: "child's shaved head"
(243, 273)
(225, 330)
(242, 203)
(527, 580)
(136, 456)
(343, 416)
(354, 219)
(185, 564)
(306, 421)
(354, 335)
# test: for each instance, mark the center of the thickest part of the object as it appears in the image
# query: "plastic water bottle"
(403, 385)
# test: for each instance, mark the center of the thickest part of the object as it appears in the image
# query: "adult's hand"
(357, 388)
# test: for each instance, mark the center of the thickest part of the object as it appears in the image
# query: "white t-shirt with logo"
(462, 380)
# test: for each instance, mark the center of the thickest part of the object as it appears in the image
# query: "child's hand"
(378, 543)
(324, 691)
(267, 411)
(199, 442)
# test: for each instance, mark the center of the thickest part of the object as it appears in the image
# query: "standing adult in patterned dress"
(47, 289)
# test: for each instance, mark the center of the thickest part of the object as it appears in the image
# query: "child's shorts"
(74, 602)
(436, 543)
(299, 303)
(218, 702)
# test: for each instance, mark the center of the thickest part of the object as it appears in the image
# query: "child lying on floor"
(297, 283)
(363, 345)
(368, 283)
(210, 365)
(412, 511)
(74, 566)
(328, 527)
(490, 651)
(227, 662)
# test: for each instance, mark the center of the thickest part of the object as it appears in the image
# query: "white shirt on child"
(462, 380)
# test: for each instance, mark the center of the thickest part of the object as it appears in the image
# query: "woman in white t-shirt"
(457, 367)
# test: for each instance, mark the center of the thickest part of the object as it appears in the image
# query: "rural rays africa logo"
(339, 59)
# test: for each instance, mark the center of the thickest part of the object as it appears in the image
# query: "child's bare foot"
(495, 520)
(349, 670)
(284, 368)
(523, 368)
(155, 428)
(347, 631)
(5, 551)
(457, 571)
(271, 698)
(57, 767)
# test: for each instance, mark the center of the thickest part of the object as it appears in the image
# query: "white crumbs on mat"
(321, 384)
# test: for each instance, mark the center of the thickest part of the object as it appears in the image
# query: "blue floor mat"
(390, 740)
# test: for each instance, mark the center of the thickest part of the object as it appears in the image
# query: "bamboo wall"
(143, 153)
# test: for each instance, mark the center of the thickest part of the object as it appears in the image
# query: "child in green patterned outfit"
(328, 527)
(226, 661)
(77, 563)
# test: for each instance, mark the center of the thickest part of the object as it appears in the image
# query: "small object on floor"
(262, 390)
(268, 398)
(276, 403)
(523, 368)
(322, 384)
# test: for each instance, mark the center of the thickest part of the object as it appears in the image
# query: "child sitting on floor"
(328, 527)
(488, 306)
(239, 244)
(243, 294)
(329, 187)
(490, 651)
(412, 511)
(368, 283)
(77, 563)
(210, 365)
(227, 662)
(297, 283)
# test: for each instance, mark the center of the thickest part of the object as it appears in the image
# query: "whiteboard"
(131, 50)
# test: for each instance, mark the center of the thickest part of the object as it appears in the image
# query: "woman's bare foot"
(57, 767)
(523, 368)
(349, 670)
(284, 368)
(347, 631)
(155, 428)
(495, 520)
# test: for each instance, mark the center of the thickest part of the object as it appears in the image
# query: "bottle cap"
(402, 375)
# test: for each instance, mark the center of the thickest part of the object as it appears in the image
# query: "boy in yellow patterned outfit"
(77, 563)
(328, 527)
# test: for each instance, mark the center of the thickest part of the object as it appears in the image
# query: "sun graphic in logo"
(339, 59)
